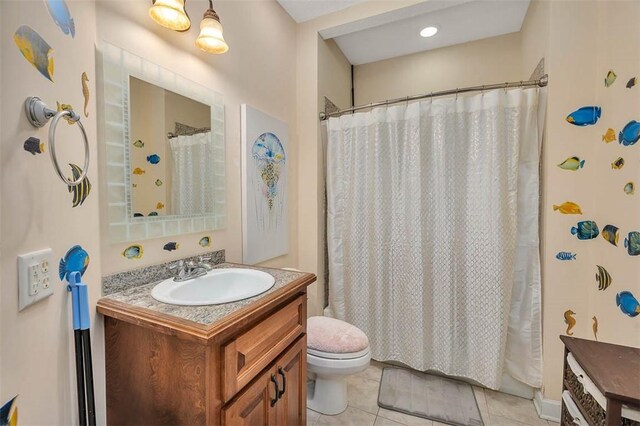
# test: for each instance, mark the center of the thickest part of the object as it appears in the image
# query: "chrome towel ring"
(38, 115)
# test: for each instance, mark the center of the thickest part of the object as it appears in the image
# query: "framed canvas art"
(265, 163)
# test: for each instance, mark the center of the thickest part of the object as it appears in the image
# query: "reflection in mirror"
(159, 184)
(172, 153)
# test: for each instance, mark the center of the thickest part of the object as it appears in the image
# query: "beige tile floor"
(497, 409)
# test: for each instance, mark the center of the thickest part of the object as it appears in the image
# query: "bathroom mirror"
(164, 147)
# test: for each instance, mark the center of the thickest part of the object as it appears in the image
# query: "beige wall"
(580, 46)
(492, 60)
(36, 346)
(257, 70)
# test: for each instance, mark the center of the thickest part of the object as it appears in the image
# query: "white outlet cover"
(34, 268)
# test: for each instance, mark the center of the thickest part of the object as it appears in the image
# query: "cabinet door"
(291, 368)
(255, 405)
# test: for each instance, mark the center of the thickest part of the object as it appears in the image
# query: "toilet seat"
(330, 355)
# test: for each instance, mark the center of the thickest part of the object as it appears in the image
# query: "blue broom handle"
(80, 301)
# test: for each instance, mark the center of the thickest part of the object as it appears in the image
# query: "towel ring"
(38, 115)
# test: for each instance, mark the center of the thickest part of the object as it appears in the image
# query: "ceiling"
(396, 33)
(305, 10)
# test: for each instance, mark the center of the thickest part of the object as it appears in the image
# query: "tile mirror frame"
(117, 66)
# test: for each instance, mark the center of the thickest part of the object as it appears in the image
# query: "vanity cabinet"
(277, 396)
(248, 368)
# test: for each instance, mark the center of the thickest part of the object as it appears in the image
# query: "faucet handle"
(180, 266)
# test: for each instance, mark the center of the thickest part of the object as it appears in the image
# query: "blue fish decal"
(565, 255)
(585, 230)
(7, 417)
(133, 252)
(205, 241)
(632, 243)
(34, 146)
(61, 16)
(630, 134)
(171, 246)
(153, 158)
(76, 260)
(153, 214)
(627, 303)
(35, 50)
(585, 116)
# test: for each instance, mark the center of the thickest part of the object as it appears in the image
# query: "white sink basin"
(218, 286)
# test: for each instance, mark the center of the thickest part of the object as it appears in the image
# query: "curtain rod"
(541, 82)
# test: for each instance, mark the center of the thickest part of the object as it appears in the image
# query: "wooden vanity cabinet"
(248, 369)
(277, 397)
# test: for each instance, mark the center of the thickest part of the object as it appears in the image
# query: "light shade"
(210, 39)
(428, 31)
(170, 14)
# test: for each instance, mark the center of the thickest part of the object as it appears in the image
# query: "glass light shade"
(170, 14)
(210, 39)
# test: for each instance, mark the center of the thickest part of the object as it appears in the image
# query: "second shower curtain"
(432, 232)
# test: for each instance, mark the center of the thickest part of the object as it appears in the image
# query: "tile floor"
(497, 409)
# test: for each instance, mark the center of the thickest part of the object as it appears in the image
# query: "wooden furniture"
(615, 372)
(247, 368)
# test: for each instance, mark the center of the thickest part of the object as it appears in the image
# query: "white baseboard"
(548, 409)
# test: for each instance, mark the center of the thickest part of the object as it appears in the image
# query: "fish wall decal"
(34, 146)
(632, 243)
(9, 413)
(618, 164)
(138, 144)
(133, 252)
(85, 92)
(171, 246)
(153, 158)
(61, 16)
(610, 234)
(159, 206)
(585, 116)
(630, 134)
(610, 78)
(205, 241)
(75, 260)
(81, 191)
(632, 82)
(609, 136)
(568, 207)
(595, 327)
(629, 188)
(628, 304)
(572, 163)
(565, 255)
(570, 321)
(585, 230)
(35, 50)
(603, 278)
(138, 171)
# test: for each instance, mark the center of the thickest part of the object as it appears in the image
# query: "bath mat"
(432, 397)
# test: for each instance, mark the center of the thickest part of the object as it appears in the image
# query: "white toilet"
(335, 349)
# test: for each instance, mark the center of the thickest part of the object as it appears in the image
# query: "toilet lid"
(332, 336)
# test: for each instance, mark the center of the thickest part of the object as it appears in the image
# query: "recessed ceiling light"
(428, 32)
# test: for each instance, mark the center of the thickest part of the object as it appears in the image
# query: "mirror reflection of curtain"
(192, 185)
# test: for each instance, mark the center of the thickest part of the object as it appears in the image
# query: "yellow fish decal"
(138, 171)
(35, 50)
(85, 92)
(570, 321)
(609, 136)
(568, 208)
(159, 205)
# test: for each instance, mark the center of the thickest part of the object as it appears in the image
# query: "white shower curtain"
(192, 174)
(432, 226)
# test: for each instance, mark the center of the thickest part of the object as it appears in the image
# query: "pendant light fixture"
(210, 39)
(170, 14)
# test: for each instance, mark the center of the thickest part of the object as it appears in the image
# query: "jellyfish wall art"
(265, 164)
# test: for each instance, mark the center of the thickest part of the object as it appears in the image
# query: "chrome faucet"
(190, 270)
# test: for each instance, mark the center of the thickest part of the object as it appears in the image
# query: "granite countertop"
(139, 296)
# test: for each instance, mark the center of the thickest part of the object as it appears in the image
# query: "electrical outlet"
(34, 277)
